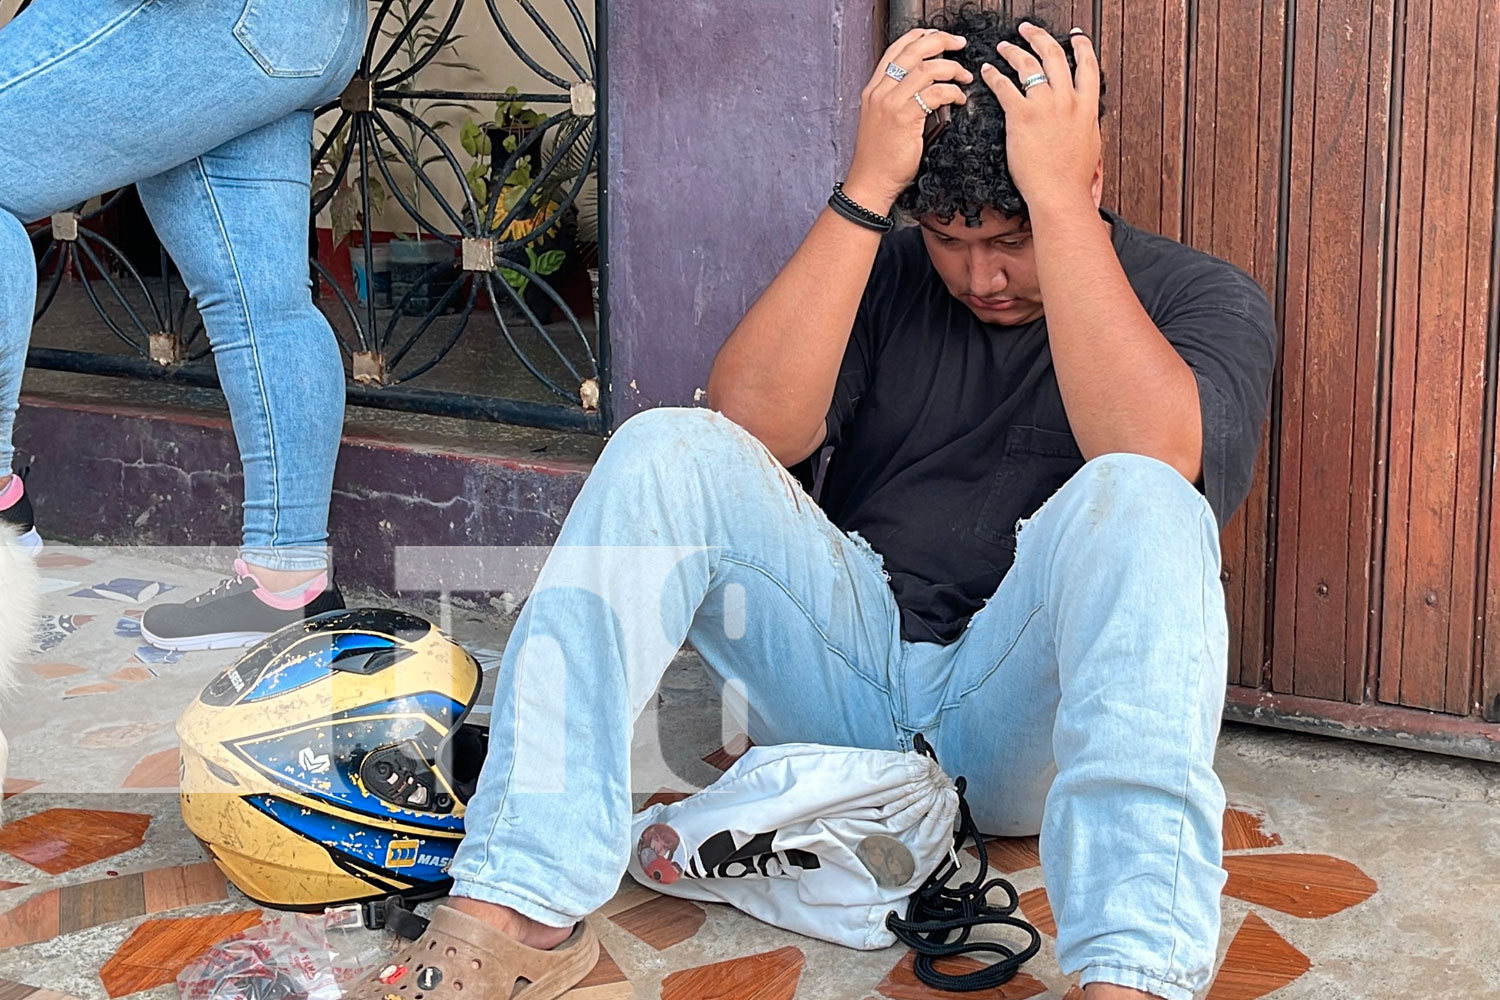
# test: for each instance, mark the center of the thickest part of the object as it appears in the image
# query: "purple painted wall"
(729, 123)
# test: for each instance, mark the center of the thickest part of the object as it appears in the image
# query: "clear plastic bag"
(289, 956)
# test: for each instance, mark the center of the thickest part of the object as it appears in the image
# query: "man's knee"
(1132, 492)
(675, 437)
(1125, 506)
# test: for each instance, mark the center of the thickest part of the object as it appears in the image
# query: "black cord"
(937, 910)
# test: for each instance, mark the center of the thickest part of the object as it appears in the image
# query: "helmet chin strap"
(394, 914)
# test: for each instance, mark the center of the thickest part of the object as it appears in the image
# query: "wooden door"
(1343, 152)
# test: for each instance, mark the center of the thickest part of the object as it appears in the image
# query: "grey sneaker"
(238, 612)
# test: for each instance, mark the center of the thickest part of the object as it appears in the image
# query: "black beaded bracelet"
(857, 213)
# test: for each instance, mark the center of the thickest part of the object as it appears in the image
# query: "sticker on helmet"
(402, 853)
(313, 763)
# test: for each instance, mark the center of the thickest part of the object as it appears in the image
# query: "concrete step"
(122, 462)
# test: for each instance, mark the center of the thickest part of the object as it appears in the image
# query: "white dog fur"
(20, 593)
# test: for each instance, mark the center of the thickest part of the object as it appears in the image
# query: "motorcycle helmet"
(331, 764)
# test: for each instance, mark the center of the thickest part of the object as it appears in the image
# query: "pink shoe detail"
(11, 495)
(301, 599)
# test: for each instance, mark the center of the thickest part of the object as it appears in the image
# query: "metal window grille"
(484, 296)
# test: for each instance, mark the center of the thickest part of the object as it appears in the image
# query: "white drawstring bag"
(824, 841)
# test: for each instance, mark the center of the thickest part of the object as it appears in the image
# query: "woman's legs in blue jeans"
(201, 103)
(235, 221)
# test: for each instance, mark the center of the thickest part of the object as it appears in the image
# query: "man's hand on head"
(888, 148)
(1052, 137)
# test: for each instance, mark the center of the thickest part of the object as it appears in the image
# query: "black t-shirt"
(947, 431)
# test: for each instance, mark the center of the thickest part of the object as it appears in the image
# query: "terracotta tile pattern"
(32, 921)
(102, 687)
(89, 904)
(1074, 993)
(60, 840)
(1010, 854)
(605, 982)
(190, 885)
(159, 770)
(1303, 885)
(724, 757)
(1242, 831)
(771, 975)
(107, 900)
(1258, 961)
(1038, 910)
(662, 921)
(61, 560)
(133, 675)
(52, 671)
(631, 893)
(15, 786)
(161, 948)
(10, 885)
(901, 983)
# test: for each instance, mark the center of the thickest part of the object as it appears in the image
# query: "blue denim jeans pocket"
(293, 39)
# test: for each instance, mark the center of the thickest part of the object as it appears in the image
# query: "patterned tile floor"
(1344, 861)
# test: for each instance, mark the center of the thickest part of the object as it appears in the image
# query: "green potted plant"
(491, 148)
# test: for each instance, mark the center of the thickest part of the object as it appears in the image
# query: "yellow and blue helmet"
(332, 763)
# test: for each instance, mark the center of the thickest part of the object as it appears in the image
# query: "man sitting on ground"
(1040, 418)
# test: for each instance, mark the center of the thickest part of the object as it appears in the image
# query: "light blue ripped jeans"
(204, 105)
(1082, 702)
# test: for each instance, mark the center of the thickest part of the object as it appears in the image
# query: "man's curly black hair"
(964, 170)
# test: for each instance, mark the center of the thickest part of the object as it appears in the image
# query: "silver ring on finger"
(1034, 80)
(926, 110)
(895, 72)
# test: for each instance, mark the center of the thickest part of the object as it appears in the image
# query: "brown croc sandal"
(463, 958)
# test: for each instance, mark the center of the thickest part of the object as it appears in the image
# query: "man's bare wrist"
(1049, 207)
(869, 195)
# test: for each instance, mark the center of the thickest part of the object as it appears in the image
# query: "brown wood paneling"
(1489, 682)
(1444, 233)
(1144, 123)
(1233, 158)
(1339, 103)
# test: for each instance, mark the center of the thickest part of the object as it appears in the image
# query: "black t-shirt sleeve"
(872, 321)
(1223, 327)
(854, 378)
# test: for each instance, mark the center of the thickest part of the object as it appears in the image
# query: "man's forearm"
(775, 374)
(1123, 385)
